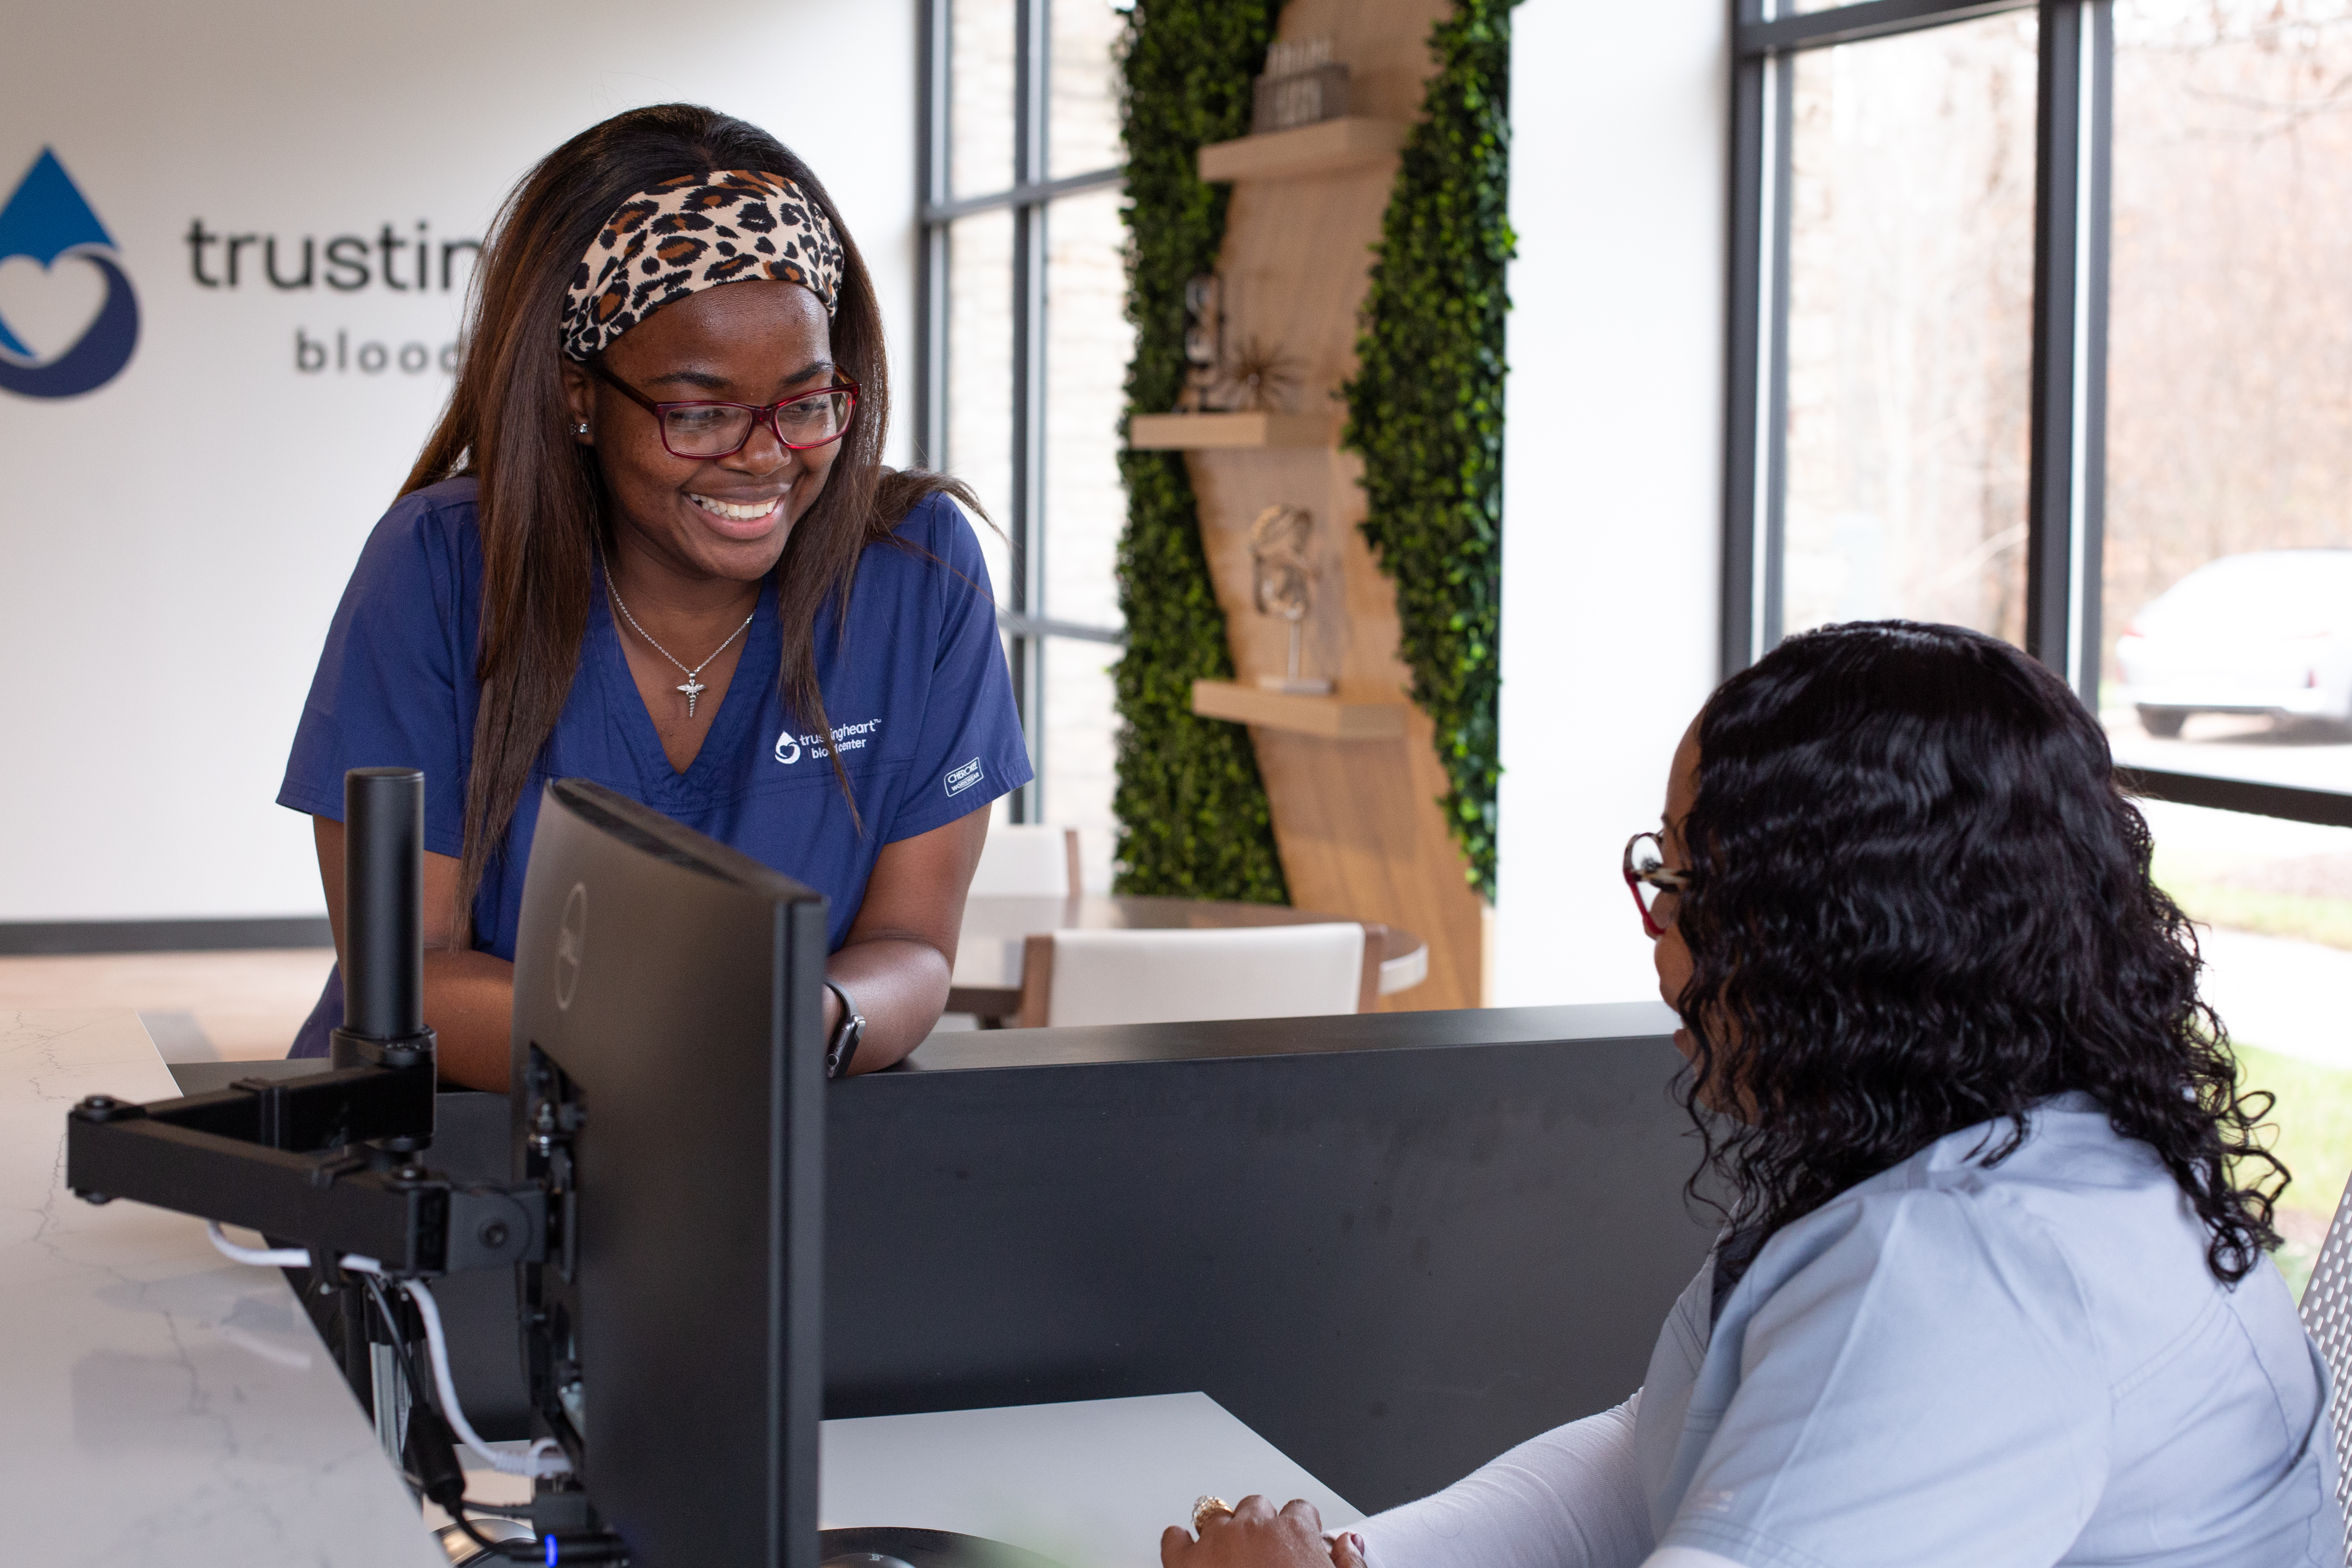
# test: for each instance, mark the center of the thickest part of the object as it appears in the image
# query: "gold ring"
(1204, 1508)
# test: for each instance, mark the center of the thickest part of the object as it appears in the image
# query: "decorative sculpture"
(1258, 376)
(1204, 341)
(1284, 584)
(1261, 376)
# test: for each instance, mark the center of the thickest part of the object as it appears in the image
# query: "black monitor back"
(669, 1063)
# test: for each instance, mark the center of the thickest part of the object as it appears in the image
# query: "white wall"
(1612, 466)
(173, 544)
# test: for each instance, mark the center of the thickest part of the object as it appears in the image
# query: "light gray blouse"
(1947, 1364)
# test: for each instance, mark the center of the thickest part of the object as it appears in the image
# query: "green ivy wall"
(1425, 408)
(1193, 819)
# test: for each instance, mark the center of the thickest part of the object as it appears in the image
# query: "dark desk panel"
(1393, 1244)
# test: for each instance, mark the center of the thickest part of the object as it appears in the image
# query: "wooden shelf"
(1350, 142)
(1328, 717)
(1207, 432)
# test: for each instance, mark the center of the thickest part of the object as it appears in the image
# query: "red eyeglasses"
(711, 429)
(1656, 886)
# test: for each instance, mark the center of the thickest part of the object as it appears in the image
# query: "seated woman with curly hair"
(1992, 1288)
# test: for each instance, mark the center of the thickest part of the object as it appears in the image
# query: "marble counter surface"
(1089, 1484)
(158, 1403)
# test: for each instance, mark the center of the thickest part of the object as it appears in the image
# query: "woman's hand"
(1254, 1535)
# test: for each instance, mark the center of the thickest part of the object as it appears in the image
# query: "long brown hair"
(542, 503)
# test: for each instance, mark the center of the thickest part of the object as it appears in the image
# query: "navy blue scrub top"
(917, 695)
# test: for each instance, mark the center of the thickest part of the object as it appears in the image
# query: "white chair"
(1071, 977)
(2327, 1319)
(1020, 859)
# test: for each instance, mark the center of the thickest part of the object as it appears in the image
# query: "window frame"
(1023, 615)
(2073, 145)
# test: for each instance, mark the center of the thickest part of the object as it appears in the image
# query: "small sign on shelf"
(1302, 86)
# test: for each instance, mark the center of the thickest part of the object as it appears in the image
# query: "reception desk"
(1394, 1244)
(1389, 1244)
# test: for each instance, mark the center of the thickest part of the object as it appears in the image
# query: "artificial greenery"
(1425, 407)
(1193, 819)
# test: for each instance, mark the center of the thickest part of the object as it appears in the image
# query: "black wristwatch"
(845, 1034)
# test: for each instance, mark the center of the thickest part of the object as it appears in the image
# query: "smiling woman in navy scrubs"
(652, 544)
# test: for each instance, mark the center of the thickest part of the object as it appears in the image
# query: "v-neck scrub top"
(915, 694)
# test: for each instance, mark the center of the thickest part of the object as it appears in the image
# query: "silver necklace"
(693, 687)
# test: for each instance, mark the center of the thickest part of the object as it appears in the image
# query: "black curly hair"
(1919, 901)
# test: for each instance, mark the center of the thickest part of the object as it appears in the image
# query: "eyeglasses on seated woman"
(1991, 1287)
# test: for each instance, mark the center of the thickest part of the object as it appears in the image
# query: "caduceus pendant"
(693, 688)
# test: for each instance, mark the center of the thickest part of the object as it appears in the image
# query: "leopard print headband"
(692, 232)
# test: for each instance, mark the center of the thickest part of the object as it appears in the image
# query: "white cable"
(532, 1462)
(280, 1256)
(529, 1463)
(261, 1256)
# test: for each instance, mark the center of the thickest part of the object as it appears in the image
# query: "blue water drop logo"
(46, 219)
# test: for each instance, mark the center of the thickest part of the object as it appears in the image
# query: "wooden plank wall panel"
(1356, 821)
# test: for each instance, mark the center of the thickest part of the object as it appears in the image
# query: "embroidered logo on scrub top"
(961, 779)
(791, 746)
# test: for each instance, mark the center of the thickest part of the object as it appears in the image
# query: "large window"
(1910, 327)
(1023, 347)
(1915, 334)
(2227, 591)
(2227, 582)
(2041, 323)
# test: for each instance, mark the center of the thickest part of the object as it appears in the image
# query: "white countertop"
(1090, 1485)
(161, 1405)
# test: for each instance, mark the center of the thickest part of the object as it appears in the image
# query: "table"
(987, 980)
(1090, 1484)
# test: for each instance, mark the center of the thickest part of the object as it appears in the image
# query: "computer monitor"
(668, 1064)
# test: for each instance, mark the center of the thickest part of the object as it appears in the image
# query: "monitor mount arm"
(331, 1160)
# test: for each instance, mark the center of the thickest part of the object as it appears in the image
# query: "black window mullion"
(1025, 506)
(1857, 23)
(1782, 82)
(932, 152)
(1038, 191)
(2060, 574)
(931, 349)
(2091, 517)
(1743, 406)
(2329, 808)
(1759, 360)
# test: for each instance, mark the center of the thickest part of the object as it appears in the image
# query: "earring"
(580, 428)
